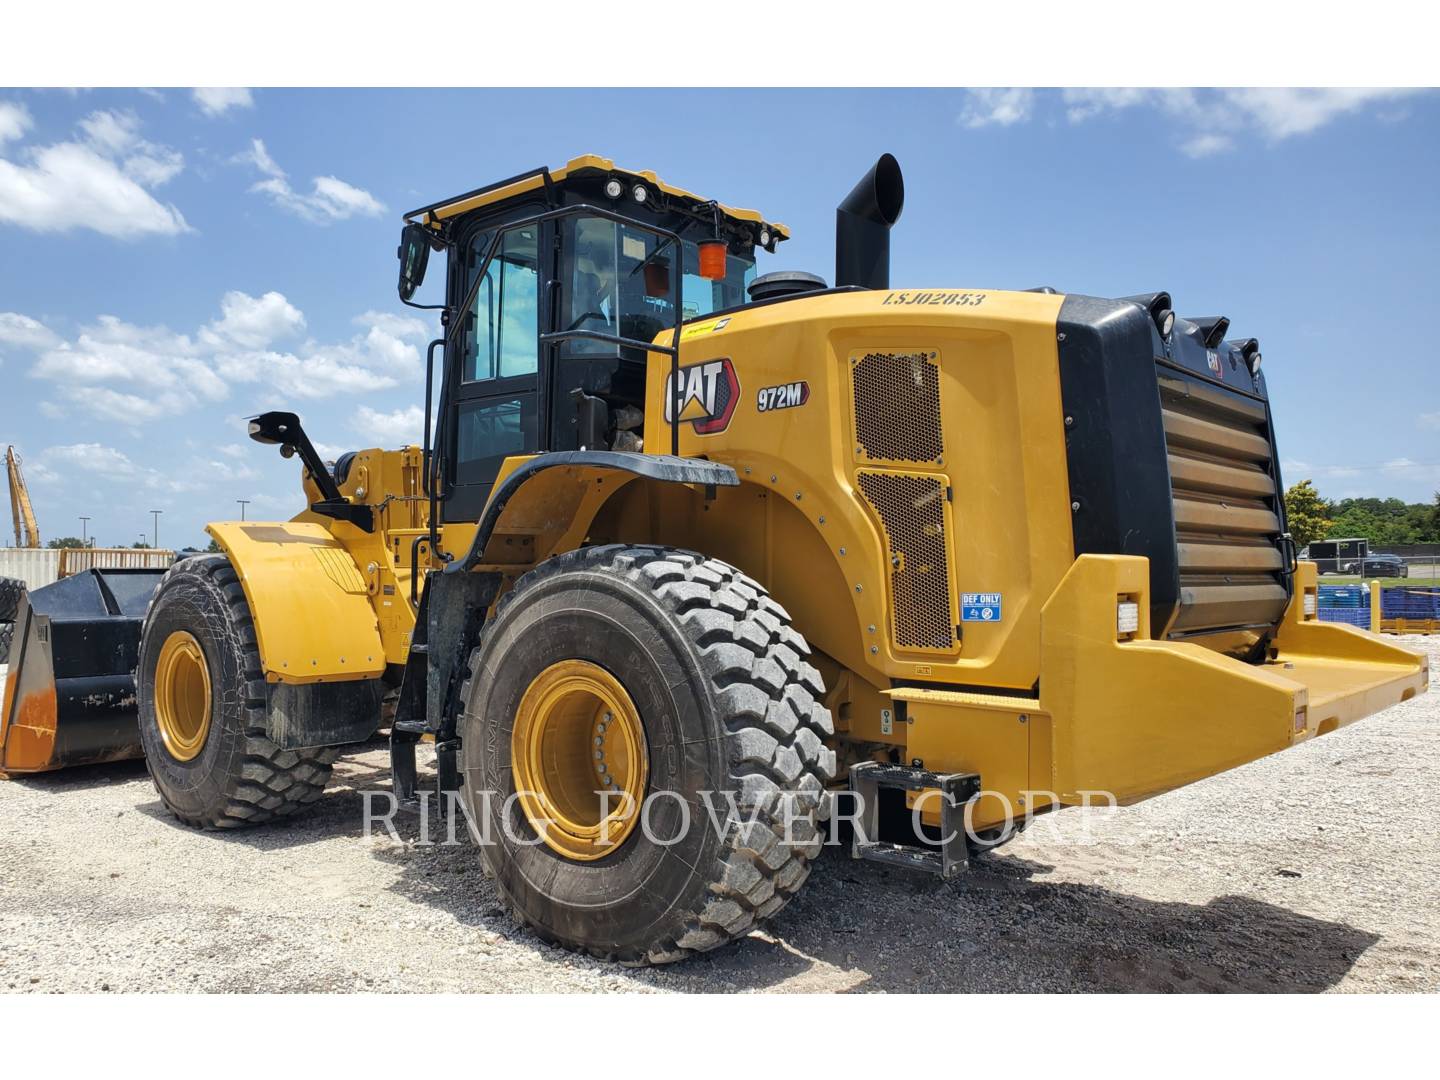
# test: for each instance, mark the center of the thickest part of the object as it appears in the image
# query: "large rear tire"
(202, 698)
(722, 700)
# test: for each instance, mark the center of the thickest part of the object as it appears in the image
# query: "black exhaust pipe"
(862, 226)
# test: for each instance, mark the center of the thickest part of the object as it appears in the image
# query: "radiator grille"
(897, 406)
(1226, 515)
(912, 511)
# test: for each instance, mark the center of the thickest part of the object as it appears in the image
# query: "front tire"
(727, 704)
(202, 699)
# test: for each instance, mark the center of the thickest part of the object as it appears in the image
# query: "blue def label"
(980, 606)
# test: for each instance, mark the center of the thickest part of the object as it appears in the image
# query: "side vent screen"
(897, 406)
(912, 510)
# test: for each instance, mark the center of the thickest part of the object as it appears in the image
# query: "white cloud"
(1206, 145)
(90, 457)
(991, 105)
(99, 182)
(314, 376)
(130, 374)
(117, 135)
(25, 332)
(400, 326)
(117, 371)
(217, 100)
(1426, 420)
(377, 359)
(330, 199)
(253, 323)
(1209, 121)
(14, 121)
(399, 428)
(1081, 104)
(259, 157)
(111, 132)
(114, 466)
(1281, 112)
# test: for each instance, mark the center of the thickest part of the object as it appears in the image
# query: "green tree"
(214, 546)
(1306, 513)
(1381, 521)
(67, 542)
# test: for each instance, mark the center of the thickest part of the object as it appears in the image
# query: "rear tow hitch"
(947, 856)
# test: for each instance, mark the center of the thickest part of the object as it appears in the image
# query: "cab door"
(494, 392)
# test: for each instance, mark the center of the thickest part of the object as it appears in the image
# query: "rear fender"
(542, 505)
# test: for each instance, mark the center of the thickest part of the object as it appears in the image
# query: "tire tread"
(271, 783)
(769, 701)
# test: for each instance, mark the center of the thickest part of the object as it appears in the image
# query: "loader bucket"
(70, 692)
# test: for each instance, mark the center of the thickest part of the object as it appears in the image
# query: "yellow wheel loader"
(691, 552)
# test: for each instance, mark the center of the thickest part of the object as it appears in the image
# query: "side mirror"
(414, 255)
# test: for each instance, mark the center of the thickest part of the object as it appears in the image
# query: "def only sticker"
(981, 606)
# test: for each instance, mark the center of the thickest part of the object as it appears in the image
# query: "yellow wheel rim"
(579, 759)
(182, 696)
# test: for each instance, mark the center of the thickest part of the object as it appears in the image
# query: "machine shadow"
(80, 777)
(862, 927)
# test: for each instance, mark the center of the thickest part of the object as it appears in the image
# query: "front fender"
(314, 621)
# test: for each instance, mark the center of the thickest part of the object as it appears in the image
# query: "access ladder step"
(949, 856)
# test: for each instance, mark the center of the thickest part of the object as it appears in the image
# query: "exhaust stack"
(862, 226)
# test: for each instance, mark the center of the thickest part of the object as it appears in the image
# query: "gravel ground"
(1316, 869)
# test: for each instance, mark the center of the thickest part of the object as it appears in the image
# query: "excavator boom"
(27, 532)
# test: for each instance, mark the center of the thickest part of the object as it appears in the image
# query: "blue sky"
(173, 261)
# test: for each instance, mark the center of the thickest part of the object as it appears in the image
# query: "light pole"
(243, 503)
(155, 543)
(84, 534)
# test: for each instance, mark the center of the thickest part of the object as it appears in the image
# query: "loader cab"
(557, 283)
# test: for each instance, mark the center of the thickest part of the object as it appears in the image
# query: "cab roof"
(535, 179)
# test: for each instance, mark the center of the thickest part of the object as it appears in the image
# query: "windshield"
(621, 282)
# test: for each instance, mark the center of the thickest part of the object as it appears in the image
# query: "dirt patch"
(1313, 870)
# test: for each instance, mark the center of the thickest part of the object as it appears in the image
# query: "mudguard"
(314, 621)
(543, 495)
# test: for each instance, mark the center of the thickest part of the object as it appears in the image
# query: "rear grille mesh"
(897, 406)
(1226, 513)
(911, 509)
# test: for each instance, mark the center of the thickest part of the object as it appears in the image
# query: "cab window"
(504, 322)
(620, 282)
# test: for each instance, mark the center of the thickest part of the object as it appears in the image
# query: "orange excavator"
(27, 532)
